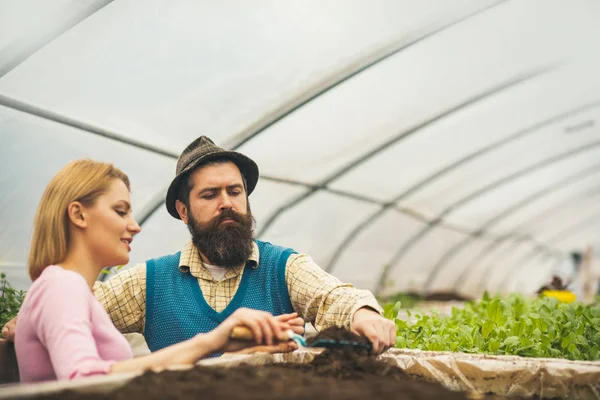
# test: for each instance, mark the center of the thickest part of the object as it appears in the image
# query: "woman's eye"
(121, 213)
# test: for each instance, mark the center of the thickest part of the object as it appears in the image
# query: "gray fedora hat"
(201, 151)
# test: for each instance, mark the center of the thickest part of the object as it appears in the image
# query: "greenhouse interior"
(429, 168)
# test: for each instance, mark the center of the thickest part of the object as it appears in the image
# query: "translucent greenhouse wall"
(405, 145)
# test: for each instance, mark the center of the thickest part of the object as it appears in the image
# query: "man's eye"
(235, 193)
(208, 196)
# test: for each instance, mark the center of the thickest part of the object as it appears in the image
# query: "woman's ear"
(76, 214)
(182, 211)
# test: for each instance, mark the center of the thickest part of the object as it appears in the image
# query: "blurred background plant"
(10, 300)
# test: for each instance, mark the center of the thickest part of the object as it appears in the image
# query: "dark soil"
(446, 296)
(347, 373)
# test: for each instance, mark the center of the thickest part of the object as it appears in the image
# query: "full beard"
(228, 245)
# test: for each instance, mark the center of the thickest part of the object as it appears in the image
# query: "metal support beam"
(536, 259)
(353, 69)
(571, 229)
(478, 193)
(469, 158)
(25, 46)
(570, 202)
(577, 226)
(512, 82)
(485, 277)
(452, 252)
(15, 104)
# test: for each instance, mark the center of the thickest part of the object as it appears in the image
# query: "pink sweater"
(63, 332)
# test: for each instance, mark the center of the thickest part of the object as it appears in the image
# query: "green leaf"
(495, 311)
(512, 341)
(10, 300)
(487, 328)
(400, 324)
(493, 345)
(401, 342)
(515, 325)
(388, 311)
(519, 328)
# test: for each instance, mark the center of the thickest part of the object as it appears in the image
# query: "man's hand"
(9, 329)
(294, 321)
(380, 331)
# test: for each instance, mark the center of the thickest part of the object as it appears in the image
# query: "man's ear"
(77, 215)
(182, 211)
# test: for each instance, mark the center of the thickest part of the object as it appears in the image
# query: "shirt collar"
(191, 262)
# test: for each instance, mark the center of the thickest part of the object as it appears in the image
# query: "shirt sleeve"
(62, 318)
(321, 298)
(124, 298)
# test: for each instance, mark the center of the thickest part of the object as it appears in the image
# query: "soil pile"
(341, 373)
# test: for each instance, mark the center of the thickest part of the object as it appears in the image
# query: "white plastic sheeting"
(405, 145)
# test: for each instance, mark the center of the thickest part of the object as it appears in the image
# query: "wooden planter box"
(475, 373)
(9, 370)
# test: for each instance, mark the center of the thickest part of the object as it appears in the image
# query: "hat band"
(193, 160)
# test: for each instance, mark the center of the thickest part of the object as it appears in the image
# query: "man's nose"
(226, 203)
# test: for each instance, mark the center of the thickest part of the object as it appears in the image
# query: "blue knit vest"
(175, 306)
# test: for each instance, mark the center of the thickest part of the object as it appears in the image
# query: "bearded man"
(223, 268)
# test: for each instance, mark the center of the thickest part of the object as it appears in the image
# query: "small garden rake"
(245, 334)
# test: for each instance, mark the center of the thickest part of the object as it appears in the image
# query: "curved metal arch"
(370, 219)
(159, 198)
(503, 286)
(460, 203)
(583, 195)
(537, 250)
(588, 234)
(569, 230)
(319, 89)
(512, 241)
(573, 228)
(564, 204)
(27, 108)
(8, 63)
(516, 241)
(481, 255)
(359, 66)
(452, 252)
(523, 260)
(404, 134)
(20, 50)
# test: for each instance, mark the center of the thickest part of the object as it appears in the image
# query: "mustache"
(228, 214)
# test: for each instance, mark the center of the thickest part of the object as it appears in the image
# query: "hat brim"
(247, 167)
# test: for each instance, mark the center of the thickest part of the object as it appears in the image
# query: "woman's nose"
(134, 228)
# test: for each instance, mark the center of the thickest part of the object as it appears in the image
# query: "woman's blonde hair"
(81, 180)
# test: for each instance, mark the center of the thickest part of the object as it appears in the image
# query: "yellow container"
(561, 295)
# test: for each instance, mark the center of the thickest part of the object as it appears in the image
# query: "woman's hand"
(294, 321)
(265, 329)
(283, 347)
(9, 329)
(296, 324)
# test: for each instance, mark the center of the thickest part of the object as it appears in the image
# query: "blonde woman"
(83, 224)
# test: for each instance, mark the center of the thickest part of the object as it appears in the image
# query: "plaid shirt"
(318, 297)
